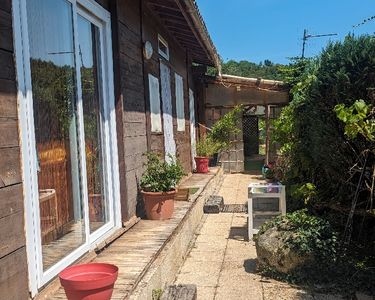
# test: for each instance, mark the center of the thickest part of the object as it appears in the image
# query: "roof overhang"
(183, 20)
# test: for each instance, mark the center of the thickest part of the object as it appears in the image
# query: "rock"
(180, 292)
(272, 251)
(213, 205)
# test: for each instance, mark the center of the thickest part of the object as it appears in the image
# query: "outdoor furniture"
(265, 201)
(48, 213)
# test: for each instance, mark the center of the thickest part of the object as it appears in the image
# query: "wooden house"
(87, 87)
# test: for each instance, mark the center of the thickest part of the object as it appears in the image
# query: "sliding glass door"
(71, 129)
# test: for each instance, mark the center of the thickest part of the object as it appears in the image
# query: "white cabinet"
(265, 201)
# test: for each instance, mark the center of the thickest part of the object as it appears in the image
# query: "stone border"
(163, 270)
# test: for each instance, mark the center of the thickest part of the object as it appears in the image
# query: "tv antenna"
(307, 36)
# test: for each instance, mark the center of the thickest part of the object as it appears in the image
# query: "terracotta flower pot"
(89, 281)
(201, 164)
(159, 205)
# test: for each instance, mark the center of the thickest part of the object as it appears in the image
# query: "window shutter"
(153, 84)
(179, 83)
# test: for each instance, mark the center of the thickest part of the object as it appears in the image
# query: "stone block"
(213, 205)
(180, 292)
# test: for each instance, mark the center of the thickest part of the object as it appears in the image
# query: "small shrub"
(222, 131)
(312, 235)
(161, 176)
(206, 147)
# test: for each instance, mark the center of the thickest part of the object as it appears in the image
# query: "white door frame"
(92, 11)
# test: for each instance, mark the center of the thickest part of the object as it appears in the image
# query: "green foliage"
(223, 130)
(266, 69)
(358, 119)
(305, 191)
(244, 68)
(156, 294)
(206, 147)
(316, 146)
(53, 94)
(311, 235)
(161, 176)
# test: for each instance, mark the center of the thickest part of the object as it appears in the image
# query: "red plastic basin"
(89, 281)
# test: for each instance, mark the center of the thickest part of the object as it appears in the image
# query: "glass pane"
(89, 51)
(52, 63)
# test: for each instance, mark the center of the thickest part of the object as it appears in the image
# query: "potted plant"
(268, 173)
(206, 147)
(158, 185)
(89, 281)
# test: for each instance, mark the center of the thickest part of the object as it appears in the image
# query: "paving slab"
(222, 262)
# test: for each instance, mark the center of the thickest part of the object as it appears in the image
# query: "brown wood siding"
(13, 263)
(132, 95)
(179, 63)
(131, 111)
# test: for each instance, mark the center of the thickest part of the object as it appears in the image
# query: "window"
(153, 85)
(68, 129)
(163, 47)
(179, 83)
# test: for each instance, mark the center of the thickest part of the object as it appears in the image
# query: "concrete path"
(222, 262)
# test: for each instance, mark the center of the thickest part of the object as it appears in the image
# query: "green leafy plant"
(161, 176)
(358, 119)
(156, 294)
(223, 130)
(206, 147)
(311, 234)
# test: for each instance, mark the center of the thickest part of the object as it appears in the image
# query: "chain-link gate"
(250, 135)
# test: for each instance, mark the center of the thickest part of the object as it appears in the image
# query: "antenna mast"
(307, 36)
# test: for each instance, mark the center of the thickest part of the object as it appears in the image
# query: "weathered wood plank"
(6, 5)
(7, 70)
(8, 133)
(6, 36)
(13, 276)
(12, 233)
(8, 98)
(10, 171)
(11, 200)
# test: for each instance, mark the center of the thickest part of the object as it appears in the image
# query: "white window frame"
(180, 102)
(96, 14)
(165, 43)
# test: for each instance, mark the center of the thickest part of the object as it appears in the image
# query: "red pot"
(159, 205)
(89, 281)
(201, 164)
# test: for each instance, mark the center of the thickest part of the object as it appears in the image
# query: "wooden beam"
(192, 27)
(164, 4)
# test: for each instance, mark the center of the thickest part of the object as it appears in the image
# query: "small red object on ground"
(89, 281)
(201, 164)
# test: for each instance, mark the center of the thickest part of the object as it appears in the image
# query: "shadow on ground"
(238, 233)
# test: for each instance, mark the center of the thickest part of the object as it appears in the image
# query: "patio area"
(154, 247)
(222, 262)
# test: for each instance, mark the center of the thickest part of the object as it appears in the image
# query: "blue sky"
(256, 30)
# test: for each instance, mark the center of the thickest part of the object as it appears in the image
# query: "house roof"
(184, 21)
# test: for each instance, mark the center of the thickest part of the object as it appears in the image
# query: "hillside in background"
(244, 68)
